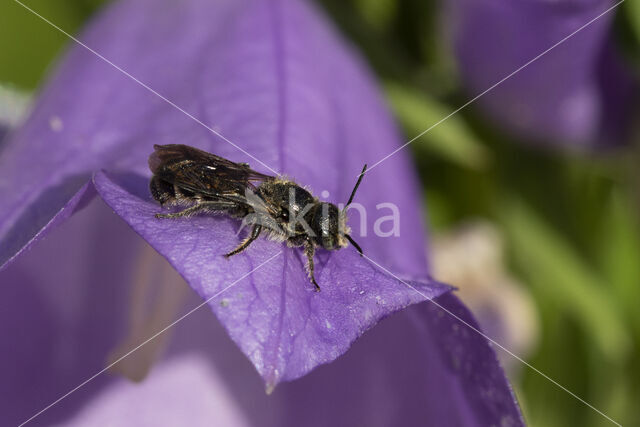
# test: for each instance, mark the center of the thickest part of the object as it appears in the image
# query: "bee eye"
(284, 214)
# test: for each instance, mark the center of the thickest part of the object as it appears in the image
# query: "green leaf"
(620, 251)
(377, 13)
(632, 10)
(560, 275)
(28, 44)
(451, 139)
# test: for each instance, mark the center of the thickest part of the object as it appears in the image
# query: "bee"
(205, 183)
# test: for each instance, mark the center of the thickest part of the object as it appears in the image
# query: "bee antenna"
(353, 193)
(353, 242)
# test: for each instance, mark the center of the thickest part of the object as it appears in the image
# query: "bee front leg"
(255, 232)
(309, 251)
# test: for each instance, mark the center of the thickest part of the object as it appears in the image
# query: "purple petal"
(419, 366)
(91, 115)
(463, 385)
(187, 389)
(63, 308)
(560, 97)
(278, 320)
(29, 229)
(272, 77)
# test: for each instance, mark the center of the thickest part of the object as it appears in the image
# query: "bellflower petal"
(248, 69)
(62, 310)
(276, 318)
(273, 78)
(578, 94)
(474, 390)
(29, 230)
(418, 366)
(463, 386)
(188, 390)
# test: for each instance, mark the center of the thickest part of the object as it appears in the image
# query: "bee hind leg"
(201, 206)
(309, 251)
(255, 232)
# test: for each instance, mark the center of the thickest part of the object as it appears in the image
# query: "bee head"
(329, 225)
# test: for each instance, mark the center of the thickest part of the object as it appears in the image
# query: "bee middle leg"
(309, 251)
(200, 206)
(255, 232)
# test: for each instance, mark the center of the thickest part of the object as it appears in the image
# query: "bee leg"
(309, 251)
(255, 232)
(202, 206)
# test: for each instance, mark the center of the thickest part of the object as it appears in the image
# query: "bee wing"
(203, 173)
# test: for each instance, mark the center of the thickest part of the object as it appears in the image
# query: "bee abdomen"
(161, 190)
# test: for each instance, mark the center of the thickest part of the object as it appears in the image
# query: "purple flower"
(577, 94)
(275, 80)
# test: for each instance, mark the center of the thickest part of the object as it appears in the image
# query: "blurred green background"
(569, 221)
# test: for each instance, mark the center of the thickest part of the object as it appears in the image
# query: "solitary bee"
(204, 182)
